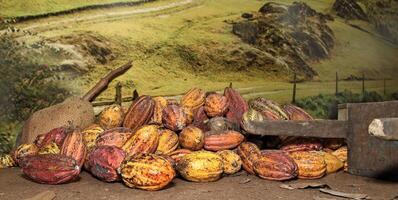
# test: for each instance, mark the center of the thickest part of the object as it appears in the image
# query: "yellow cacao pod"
(160, 104)
(341, 153)
(231, 161)
(200, 166)
(191, 138)
(145, 140)
(193, 99)
(168, 141)
(6, 161)
(311, 164)
(51, 148)
(25, 150)
(90, 135)
(333, 164)
(147, 172)
(111, 117)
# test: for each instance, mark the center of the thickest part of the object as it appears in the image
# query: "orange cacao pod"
(50, 168)
(341, 153)
(178, 154)
(160, 104)
(193, 99)
(216, 105)
(296, 113)
(24, 150)
(114, 137)
(292, 144)
(237, 106)
(333, 164)
(56, 135)
(191, 138)
(200, 118)
(104, 161)
(139, 113)
(147, 172)
(145, 140)
(111, 117)
(223, 140)
(248, 152)
(311, 165)
(231, 161)
(90, 135)
(174, 118)
(74, 147)
(189, 114)
(275, 165)
(168, 141)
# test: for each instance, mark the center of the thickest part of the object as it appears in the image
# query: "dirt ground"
(241, 186)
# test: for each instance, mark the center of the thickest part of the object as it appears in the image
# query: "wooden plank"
(316, 128)
(384, 128)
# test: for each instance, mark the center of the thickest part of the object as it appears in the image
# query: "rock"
(349, 9)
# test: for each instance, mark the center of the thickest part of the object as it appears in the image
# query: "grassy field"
(162, 44)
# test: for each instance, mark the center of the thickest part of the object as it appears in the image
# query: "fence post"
(230, 84)
(294, 89)
(363, 83)
(337, 83)
(135, 95)
(118, 95)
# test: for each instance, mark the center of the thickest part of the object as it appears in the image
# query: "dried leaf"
(343, 194)
(245, 181)
(304, 185)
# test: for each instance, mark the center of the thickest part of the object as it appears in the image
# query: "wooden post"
(118, 95)
(230, 84)
(363, 83)
(135, 95)
(337, 83)
(294, 88)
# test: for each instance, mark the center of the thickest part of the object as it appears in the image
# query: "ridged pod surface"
(200, 118)
(178, 154)
(111, 117)
(193, 99)
(145, 140)
(275, 165)
(168, 141)
(56, 135)
(114, 137)
(216, 105)
(6, 161)
(333, 164)
(248, 152)
(174, 118)
(249, 117)
(200, 166)
(292, 144)
(139, 113)
(51, 148)
(342, 154)
(74, 147)
(237, 106)
(104, 161)
(231, 161)
(25, 150)
(160, 104)
(147, 172)
(223, 140)
(191, 138)
(311, 165)
(90, 135)
(296, 113)
(50, 168)
(270, 109)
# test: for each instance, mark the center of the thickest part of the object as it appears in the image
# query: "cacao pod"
(193, 99)
(223, 140)
(111, 117)
(311, 164)
(56, 135)
(216, 105)
(218, 124)
(341, 153)
(147, 172)
(50, 168)
(200, 166)
(248, 152)
(172, 102)
(333, 143)
(178, 154)
(114, 137)
(236, 105)
(139, 113)
(51, 148)
(292, 144)
(145, 140)
(90, 135)
(296, 113)
(275, 165)
(191, 138)
(249, 117)
(200, 119)
(104, 161)
(25, 150)
(168, 141)
(160, 104)
(6, 161)
(174, 118)
(74, 147)
(333, 164)
(270, 109)
(189, 114)
(231, 161)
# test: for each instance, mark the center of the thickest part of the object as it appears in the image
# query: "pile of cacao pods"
(200, 138)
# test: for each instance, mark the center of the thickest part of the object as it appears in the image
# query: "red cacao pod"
(104, 161)
(200, 118)
(216, 105)
(24, 150)
(56, 135)
(223, 140)
(145, 140)
(293, 144)
(296, 113)
(74, 147)
(114, 137)
(275, 165)
(248, 152)
(237, 106)
(270, 109)
(174, 118)
(139, 113)
(50, 168)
